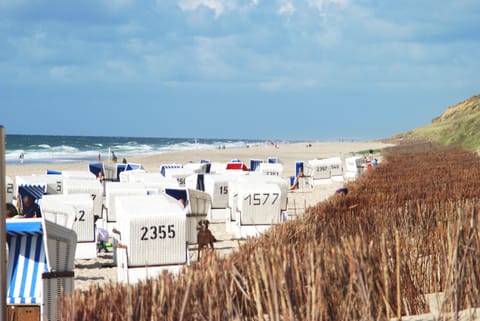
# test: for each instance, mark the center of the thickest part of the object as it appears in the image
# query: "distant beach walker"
(21, 157)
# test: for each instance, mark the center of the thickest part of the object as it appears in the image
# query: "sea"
(65, 149)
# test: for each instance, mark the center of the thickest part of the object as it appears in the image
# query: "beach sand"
(101, 270)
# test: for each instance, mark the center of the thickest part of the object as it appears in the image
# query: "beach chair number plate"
(272, 173)
(81, 216)
(156, 232)
(257, 199)
(223, 190)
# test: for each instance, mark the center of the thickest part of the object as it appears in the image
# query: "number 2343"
(157, 232)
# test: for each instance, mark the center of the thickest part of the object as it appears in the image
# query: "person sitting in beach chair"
(30, 209)
(102, 239)
(11, 212)
(295, 181)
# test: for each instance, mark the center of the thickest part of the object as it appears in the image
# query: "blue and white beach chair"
(40, 265)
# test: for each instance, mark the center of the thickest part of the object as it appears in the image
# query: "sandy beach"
(287, 153)
(101, 270)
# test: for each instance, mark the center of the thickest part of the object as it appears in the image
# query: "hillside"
(458, 126)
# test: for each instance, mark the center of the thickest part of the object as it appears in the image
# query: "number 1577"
(257, 199)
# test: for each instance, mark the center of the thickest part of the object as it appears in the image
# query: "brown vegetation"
(414, 231)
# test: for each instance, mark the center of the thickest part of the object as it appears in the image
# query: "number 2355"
(157, 232)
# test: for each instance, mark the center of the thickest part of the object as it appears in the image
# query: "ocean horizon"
(65, 149)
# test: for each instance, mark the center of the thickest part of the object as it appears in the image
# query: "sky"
(258, 69)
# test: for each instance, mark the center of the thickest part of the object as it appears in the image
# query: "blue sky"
(276, 69)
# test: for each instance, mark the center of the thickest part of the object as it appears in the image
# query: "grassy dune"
(457, 126)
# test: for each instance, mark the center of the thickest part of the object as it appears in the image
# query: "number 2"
(144, 235)
(82, 216)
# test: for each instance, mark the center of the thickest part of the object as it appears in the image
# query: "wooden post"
(3, 238)
(385, 276)
(399, 293)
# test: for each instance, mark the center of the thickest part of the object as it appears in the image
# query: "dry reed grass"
(413, 230)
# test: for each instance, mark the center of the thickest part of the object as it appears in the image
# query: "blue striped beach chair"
(255, 164)
(165, 167)
(27, 262)
(37, 277)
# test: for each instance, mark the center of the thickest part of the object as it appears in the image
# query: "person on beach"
(295, 181)
(342, 190)
(11, 212)
(21, 157)
(114, 157)
(184, 204)
(372, 163)
(30, 209)
(102, 239)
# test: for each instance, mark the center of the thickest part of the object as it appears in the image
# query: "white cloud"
(286, 8)
(323, 6)
(275, 84)
(7, 4)
(328, 38)
(292, 82)
(120, 70)
(35, 47)
(61, 72)
(211, 55)
(218, 6)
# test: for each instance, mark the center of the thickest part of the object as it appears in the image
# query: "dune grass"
(456, 127)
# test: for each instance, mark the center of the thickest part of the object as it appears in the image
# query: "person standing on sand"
(370, 155)
(114, 157)
(21, 157)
